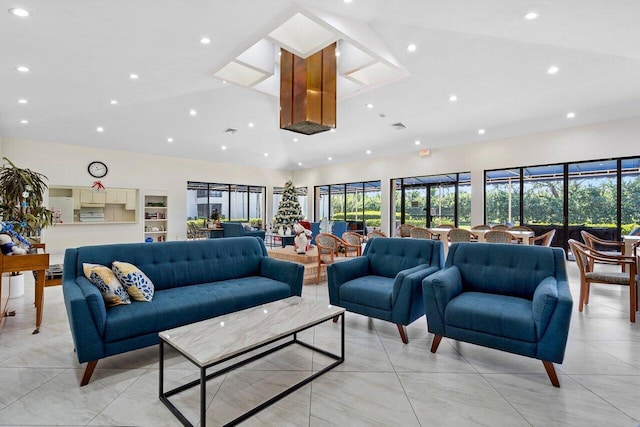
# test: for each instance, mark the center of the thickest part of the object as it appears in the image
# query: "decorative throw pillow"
(134, 281)
(103, 278)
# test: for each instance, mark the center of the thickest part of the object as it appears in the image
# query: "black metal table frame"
(164, 396)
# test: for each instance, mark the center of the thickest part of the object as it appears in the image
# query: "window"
(358, 203)
(233, 202)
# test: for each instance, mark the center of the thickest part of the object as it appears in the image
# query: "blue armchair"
(508, 297)
(236, 229)
(386, 281)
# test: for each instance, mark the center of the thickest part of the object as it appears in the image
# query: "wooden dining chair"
(328, 247)
(373, 234)
(420, 233)
(461, 235)
(500, 227)
(498, 236)
(352, 243)
(543, 239)
(404, 230)
(586, 258)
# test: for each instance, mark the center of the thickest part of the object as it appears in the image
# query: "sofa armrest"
(341, 272)
(438, 289)
(289, 272)
(87, 318)
(407, 300)
(552, 305)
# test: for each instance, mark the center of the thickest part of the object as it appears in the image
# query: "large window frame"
(234, 202)
(349, 202)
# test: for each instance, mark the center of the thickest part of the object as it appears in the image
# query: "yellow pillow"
(137, 284)
(103, 278)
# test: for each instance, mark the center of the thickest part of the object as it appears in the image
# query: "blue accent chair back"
(339, 228)
(236, 229)
(386, 281)
(508, 297)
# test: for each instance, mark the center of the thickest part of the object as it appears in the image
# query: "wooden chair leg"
(583, 286)
(587, 292)
(632, 302)
(403, 333)
(435, 343)
(551, 371)
(88, 372)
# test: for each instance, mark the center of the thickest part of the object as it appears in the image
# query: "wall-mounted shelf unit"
(155, 216)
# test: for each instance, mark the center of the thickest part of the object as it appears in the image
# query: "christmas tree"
(289, 211)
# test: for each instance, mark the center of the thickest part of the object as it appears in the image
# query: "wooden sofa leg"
(435, 343)
(551, 371)
(403, 333)
(88, 372)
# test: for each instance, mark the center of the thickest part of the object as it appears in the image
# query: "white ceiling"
(80, 55)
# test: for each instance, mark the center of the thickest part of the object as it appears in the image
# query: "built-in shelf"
(155, 216)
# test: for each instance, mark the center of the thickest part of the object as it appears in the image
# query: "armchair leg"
(335, 319)
(435, 343)
(403, 333)
(88, 372)
(551, 371)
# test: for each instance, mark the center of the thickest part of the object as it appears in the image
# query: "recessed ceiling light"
(205, 40)
(417, 142)
(22, 101)
(347, 1)
(553, 69)
(571, 115)
(295, 139)
(193, 112)
(368, 151)
(299, 164)
(531, 16)
(480, 131)
(99, 129)
(329, 158)
(113, 102)
(266, 154)
(250, 124)
(224, 147)
(224, 82)
(411, 47)
(134, 76)
(337, 53)
(22, 13)
(22, 68)
(369, 105)
(24, 122)
(453, 98)
(169, 139)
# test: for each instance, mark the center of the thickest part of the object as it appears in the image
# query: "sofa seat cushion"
(372, 291)
(497, 315)
(175, 307)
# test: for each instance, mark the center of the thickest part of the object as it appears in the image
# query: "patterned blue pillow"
(134, 281)
(103, 278)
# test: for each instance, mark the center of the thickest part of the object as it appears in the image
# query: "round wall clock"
(97, 169)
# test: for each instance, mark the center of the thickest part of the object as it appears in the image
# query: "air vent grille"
(230, 130)
(398, 126)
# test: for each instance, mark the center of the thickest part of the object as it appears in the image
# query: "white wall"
(66, 165)
(606, 140)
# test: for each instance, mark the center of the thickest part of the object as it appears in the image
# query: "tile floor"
(382, 382)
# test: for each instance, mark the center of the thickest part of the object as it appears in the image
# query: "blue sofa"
(386, 281)
(508, 297)
(236, 229)
(193, 280)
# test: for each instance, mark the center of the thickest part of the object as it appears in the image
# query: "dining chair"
(461, 235)
(543, 239)
(353, 243)
(373, 234)
(481, 227)
(498, 236)
(609, 247)
(445, 226)
(420, 233)
(328, 247)
(586, 257)
(404, 230)
(500, 227)
(520, 228)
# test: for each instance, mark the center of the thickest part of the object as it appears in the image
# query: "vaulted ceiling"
(80, 55)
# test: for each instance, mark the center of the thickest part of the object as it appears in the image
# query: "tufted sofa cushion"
(500, 270)
(388, 257)
(173, 264)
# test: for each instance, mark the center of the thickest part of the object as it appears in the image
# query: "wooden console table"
(30, 262)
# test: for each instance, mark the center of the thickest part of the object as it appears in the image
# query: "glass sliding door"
(442, 201)
(338, 201)
(630, 195)
(464, 200)
(415, 205)
(502, 196)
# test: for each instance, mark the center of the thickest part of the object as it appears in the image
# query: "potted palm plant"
(21, 211)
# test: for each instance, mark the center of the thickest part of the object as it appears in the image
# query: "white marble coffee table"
(214, 341)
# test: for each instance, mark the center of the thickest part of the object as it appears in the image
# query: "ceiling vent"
(230, 130)
(398, 126)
